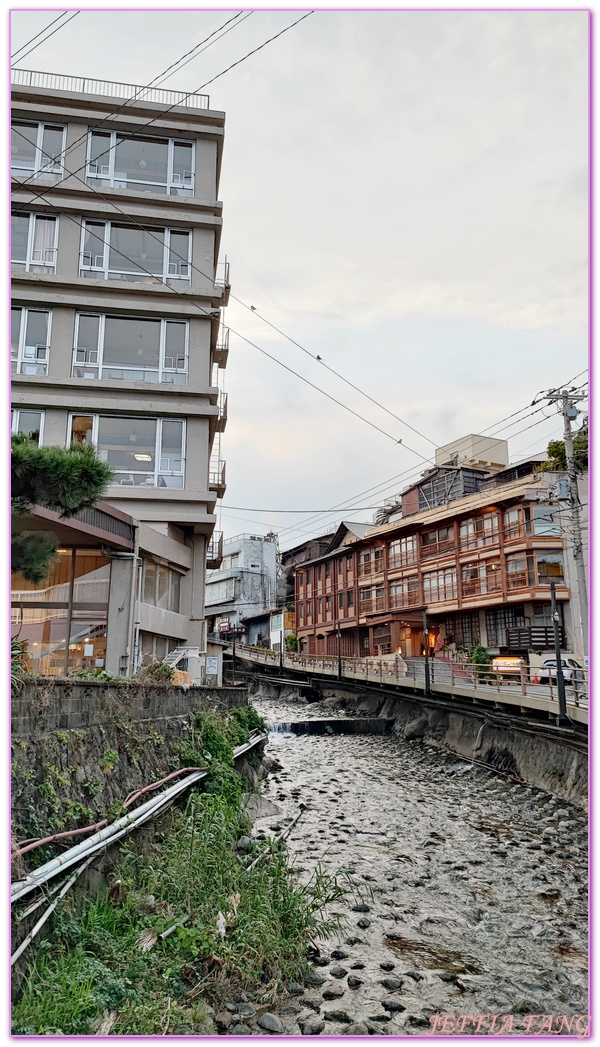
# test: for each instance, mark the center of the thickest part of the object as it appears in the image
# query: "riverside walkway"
(517, 692)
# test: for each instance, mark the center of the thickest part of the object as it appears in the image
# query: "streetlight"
(562, 719)
(427, 692)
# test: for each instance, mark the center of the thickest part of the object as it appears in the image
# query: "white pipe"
(49, 910)
(112, 833)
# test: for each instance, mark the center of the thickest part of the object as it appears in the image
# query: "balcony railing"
(365, 569)
(376, 603)
(514, 531)
(437, 549)
(214, 551)
(479, 541)
(517, 580)
(222, 416)
(83, 85)
(216, 474)
(402, 559)
(410, 599)
(481, 586)
(222, 277)
(222, 348)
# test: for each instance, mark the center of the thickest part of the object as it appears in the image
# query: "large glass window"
(149, 165)
(142, 452)
(30, 423)
(112, 251)
(161, 586)
(131, 349)
(34, 239)
(405, 592)
(480, 578)
(513, 524)
(499, 619)
(519, 570)
(63, 621)
(479, 531)
(218, 592)
(403, 551)
(36, 149)
(550, 567)
(436, 542)
(29, 340)
(545, 520)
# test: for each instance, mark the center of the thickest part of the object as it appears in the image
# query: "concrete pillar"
(482, 629)
(122, 577)
(197, 629)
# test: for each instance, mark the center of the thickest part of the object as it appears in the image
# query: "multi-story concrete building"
(479, 563)
(116, 338)
(245, 583)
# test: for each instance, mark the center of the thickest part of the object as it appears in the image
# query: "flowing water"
(473, 888)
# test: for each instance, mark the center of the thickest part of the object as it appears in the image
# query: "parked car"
(571, 670)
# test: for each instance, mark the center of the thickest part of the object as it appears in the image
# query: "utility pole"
(427, 692)
(566, 399)
(562, 719)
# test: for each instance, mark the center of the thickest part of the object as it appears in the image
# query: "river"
(474, 888)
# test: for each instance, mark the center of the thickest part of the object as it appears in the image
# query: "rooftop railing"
(83, 85)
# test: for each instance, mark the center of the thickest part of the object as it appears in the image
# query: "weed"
(109, 761)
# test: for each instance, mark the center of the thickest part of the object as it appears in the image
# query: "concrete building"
(245, 583)
(116, 336)
(479, 563)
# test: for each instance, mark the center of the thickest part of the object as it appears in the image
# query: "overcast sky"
(405, 194)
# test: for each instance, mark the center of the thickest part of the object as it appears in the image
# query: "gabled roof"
(347, 527)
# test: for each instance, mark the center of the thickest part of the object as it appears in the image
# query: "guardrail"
(83, 85)
(523, 685)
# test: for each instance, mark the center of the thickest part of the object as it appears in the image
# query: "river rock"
(358, 966)
(356, 1029)
(232, 1007)
(387, 966)
(321, 961)
(339, 954)
(314, 1002)
(314, 979)
(246, 1009)
(416, 728)
(393, 1005)
(244, 844)
(313, 1026)
(334, 993)
(223, 1020)
(363, 923)
(294, 988)
(361, 907)
(240, 997)
(353, 941)
(392, 983)
(271, 1023)
(353, 981)
(338, 972)
(241, 1030)
(337, 1016)
(415, 975)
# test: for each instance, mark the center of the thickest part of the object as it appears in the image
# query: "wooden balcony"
(481, 586)
(410, 599)
(428, 552)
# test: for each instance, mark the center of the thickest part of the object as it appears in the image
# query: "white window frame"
(42, 350)
(103, 271)
(109, 178)
(34, 265)
(171, 571)
(159, 470)
(14, 420)
(40, 170)
(93, 359)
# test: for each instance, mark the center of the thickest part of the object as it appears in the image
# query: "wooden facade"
(472, 564)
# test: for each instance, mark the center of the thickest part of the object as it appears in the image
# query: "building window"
(437, 542)
(34, 239)
(142, 452)
(319, 572)
(150, 165)
(301, 611)
(308, 577)
(161, 586)
(320, 608)
(29, 423)
(328, 569)
(439, 586)
(154, 648)
(328, 608)
(499, 619)
(364, 564)
(550, 567)
(519, 570)
(36, 149)
(110, 251)
(340, 566)
(379, 560)
(230, 561)
(463, 630)
(403, 551)
(349, 564)
(63, 621)
(545, 520)
(350, 600)
(301, 580)
(513, 524)
(130, 348)
(480, 578)
(405, 592)
(341, 601)
(479, 531)
(29, 340)
(219, 592)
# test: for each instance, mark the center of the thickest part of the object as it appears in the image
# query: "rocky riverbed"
(473, 896)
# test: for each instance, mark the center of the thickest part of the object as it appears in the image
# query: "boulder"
(416, 728)
(271, 1023)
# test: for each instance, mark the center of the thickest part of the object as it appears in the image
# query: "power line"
(163, 113)
(175, 67)
(49, 34)
(138, 96)
(15, 53)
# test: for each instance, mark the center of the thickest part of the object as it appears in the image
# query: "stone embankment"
(472, 887)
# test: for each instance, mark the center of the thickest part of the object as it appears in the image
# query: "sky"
(405, 195)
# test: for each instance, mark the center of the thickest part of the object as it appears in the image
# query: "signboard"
(224, 627)
(212, 666)
(506, 665)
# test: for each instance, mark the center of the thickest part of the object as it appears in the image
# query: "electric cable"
(54, 20)
(49, 35)
(138, 97)
(163, 113)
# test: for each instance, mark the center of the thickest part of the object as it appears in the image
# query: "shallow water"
(475, 885)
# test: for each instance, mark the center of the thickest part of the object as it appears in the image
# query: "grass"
(246, 928)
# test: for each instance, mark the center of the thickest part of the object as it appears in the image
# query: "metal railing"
(216, 476)
(513, 682)
(113, 89)
(214, 550)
